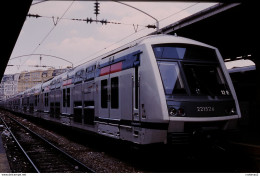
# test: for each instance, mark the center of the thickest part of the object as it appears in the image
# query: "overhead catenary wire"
(35, 3)
(136, 31)
(58, 20)
(41, 54)
(43, 66)
(89, 20)
(149, 26)
(179, 11)
(106, 48)
(47, 35)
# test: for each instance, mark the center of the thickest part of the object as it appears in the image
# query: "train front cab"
(200, 98)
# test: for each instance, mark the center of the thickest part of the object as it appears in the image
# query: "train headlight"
(176, 112)
(172, 112)
(181, 112)
(232, 111)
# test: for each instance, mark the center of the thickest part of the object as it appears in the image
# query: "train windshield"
(205, 80)
(171, 78)
(184, 52)
(200, 74)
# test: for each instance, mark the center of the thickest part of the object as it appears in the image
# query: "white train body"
(158, 89)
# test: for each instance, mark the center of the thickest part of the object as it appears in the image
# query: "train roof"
(163, 38)
(149, 39)
(61, 76)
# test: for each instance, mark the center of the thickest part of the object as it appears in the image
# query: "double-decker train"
(157, 89)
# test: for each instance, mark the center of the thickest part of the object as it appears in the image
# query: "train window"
(171, 78)
(58, 83)
(169, 52)
(184, 52)
(68, 97)
(104, 93)
(90, 72)
(114, 93)
(205, 80)
(79, 76)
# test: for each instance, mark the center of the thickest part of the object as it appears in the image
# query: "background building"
(8, 86)
(30, 79)
(15, 83)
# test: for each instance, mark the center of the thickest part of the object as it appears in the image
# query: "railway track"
(221, 157)
(41, 154)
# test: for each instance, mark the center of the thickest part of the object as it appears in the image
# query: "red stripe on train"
(116, 67)
(111, 69)
(67, 82)
(105, 71)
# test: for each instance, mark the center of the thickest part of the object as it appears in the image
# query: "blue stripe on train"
(129, 61)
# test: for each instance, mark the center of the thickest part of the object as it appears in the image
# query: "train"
(244, 78)
(156, 89)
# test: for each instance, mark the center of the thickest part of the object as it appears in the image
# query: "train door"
(66, 104)
(46, 102)
(20, 103)
(52, 100)
(31, 103)
(119, 95)
(104, 97)
(119, 90)
(129, 94)
(109, 97)
(64, 101)
(77, 102)
(41, 104)
(57, 102)
(136, 95)
(114, 108)
(69, 97)
(136, 90)
(126, 94)
(36, 102)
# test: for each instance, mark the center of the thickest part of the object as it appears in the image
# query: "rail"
(81, 167)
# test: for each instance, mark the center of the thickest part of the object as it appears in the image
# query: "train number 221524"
(205, 109)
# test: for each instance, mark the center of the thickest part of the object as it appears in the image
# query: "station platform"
(4, 164)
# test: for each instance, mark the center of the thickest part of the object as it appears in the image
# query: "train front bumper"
(182, 130)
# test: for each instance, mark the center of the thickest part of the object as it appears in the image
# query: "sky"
(78, 41)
